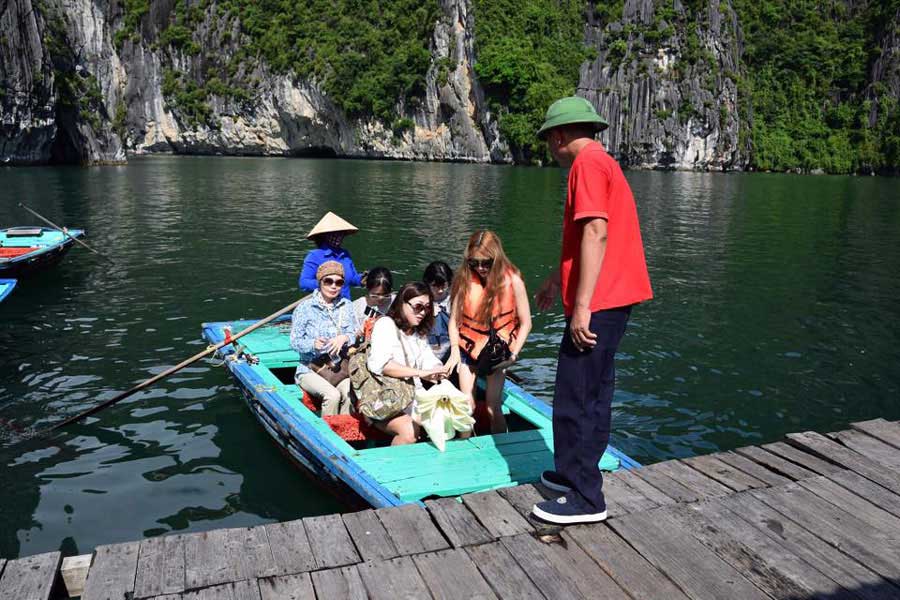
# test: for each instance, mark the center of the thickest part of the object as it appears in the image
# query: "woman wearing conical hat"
(328, 234)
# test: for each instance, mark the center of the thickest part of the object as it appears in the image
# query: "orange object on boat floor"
(14, 252)
(353, 428)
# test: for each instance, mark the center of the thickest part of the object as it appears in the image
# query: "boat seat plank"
(870, 447)
(759, 559)
(727, 475)
(627, 568)
(450, 574)
(635, 482)
(330, 543)
(496, 514)
(506, 577)
(872, 492)
(805, 459)
(852, 535)
(687, 562)
(831, 450)
(290, 544)
(457, 523)
(392, 579)
(160, 567)
(371, 539)
(534, 559)
(775, 462)
(700, 484)
(886, 431)
(852, 503)
(287, 587)
(342, 583)
(668, 486)
(29, 578)
(842, 569)
(112, 572)
(754, 469)
(411, 529)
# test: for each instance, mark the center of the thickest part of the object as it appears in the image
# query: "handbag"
(324, 367)
(379, 397)
(495, 351)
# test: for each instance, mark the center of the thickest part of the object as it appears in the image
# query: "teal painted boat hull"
(387, 475)
(49, 248)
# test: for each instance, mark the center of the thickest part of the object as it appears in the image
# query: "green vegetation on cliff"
(807, 64)
(528, 55)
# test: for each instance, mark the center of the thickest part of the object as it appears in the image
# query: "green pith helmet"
(573, 109)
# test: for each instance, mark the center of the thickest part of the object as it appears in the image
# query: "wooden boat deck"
(815, 517)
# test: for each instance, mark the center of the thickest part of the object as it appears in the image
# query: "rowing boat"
(25, 250)
(6, 287)
(354, 460)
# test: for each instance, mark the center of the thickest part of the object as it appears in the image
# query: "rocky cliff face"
(665, 79)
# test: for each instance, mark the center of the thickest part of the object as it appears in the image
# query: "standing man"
(602, 275)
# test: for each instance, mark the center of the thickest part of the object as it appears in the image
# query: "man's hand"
(579, 329)
(547, 293)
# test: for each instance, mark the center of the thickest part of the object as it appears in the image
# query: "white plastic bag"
(443, 411)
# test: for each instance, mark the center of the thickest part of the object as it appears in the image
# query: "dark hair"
(438, 270)
(407, 293)
(380, 277)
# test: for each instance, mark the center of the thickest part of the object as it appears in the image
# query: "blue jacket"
(312, 319)
(322, 254)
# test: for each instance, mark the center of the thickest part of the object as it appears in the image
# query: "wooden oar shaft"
(178, 367)
(64, 232)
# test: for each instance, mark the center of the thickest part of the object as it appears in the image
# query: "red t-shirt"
(597, 188)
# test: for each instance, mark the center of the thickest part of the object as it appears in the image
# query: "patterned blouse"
(313, 319)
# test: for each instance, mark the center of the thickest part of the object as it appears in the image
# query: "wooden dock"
(816, 516)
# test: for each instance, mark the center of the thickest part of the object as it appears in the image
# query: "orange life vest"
(473, 334)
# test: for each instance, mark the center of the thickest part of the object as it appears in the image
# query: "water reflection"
(775, 311)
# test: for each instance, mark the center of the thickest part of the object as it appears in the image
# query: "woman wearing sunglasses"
(399, 348)
(489, 322)
(322, 328)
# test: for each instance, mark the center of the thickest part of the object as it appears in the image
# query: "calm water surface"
(776, 310)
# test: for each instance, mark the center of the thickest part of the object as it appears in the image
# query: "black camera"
(371, 311)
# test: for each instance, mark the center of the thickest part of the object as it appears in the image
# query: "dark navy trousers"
(582, 404)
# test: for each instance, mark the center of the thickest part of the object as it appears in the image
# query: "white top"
(386, 346)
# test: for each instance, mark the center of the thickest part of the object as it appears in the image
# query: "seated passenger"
(328, 235)
(399, 348)
(377, 300)
(323, 327)
(437, 277)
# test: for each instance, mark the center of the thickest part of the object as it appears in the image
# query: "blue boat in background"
(6, 287)
(26, 250)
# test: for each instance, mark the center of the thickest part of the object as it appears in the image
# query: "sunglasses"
(419, 308)
(329, 282)
(484, 263)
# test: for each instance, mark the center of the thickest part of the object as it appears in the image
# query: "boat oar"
(64, 231)
(178, 367)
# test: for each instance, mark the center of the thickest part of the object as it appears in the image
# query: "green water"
(776, 310)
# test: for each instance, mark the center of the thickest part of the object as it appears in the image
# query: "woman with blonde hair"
(489, 322)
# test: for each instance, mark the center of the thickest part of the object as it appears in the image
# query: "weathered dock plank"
(450, 574)
(622, 499)
(238, 590)
(805, 459)
(775, 462)
(624, 565)
(852, 503)
(497, 515)
(160, 567)
(692, 566)
(648, 491)
(506, 577)
(870, 447)
(575, 564)
(371, 539)
(411, 528)
(206, 559)
(753, 469)
(873, 492)
(112, 572)
(665, 484)
(534, 561)
(697, 482)
(340, 583)
(821, 445)
(392, 579)
(294, 554)
(29, 578)
(456, 521)
(287, 587)
(330, 542)
(713, 467)
(886, 431)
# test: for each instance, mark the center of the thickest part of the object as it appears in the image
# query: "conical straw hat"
(331, 223)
